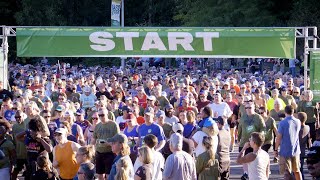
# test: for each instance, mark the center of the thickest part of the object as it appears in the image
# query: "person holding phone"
(103, 131)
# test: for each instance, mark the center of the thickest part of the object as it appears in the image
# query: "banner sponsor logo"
(115, 12)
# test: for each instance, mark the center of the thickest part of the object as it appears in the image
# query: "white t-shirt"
(223, 110)
(198, 138)
(121, 122)
(172, 120)
(158, 165)
(88, 101)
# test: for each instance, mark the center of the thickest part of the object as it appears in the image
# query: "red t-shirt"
(143, 101)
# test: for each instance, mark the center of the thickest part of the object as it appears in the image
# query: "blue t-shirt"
(203, 121)
(154, 129)
(289, 128)
(188, 129)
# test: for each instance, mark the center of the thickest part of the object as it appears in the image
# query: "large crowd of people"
(152, 123)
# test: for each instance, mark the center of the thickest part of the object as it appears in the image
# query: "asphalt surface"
(236, 169)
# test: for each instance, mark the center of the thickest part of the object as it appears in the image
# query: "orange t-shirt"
(67, 162)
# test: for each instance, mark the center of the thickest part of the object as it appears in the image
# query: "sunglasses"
(101, 115)
(47, 116)
(295, 92)
(232, 92)
(57, 134)
(248, 107)
(94, 118)
(248, 101)
(14, 108)
(17, 117)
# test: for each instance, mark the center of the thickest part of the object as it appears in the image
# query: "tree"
(219, 13)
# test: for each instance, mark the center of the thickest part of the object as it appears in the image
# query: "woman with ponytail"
(87, 169)
(123, 169)
(207, 164)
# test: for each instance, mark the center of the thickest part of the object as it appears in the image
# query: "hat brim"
(61, 132)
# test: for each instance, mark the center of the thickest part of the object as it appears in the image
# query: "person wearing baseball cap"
(160, 120)
(103, 91)
(277, 83)
(84, 124)
(87, 99)
(150, 127)
(64, 154)
(169, 115)
(210, 128)
(132, 133)
(120, 147)
(121, 119)
(150, 101)
(179, 163)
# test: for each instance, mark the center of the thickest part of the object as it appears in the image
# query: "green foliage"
(220, 13)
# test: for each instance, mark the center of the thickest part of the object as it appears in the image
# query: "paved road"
(236, 169)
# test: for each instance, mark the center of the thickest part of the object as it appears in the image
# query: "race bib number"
(250, 128)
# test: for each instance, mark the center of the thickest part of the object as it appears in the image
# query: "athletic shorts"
(20, 164)
(104, 162)
(290, 164)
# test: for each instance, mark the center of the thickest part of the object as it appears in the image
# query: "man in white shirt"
(220, 108)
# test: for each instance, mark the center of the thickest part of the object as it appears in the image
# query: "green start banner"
(315, 74)
(155, 42)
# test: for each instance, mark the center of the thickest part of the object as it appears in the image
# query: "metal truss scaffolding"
(309, 34)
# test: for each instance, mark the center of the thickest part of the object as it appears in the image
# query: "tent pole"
(305, 58)
(123, 60)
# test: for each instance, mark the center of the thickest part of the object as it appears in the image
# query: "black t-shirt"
(34, 148)
(106, 93)
(44, 175)
(5, 93)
